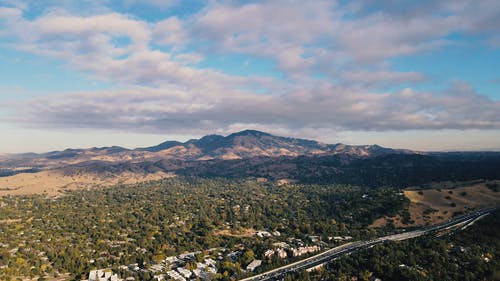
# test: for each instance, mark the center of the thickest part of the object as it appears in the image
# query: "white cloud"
(117, 48)
(276, 29)
(381, 77)
(380, 36)
(162, 4)
(171, 32)
(163, 90)
(326, 107)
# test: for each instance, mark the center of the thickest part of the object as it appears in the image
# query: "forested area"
(470, 254)
(393, 169)
(142, 223)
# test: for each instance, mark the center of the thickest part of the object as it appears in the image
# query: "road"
(348, 248)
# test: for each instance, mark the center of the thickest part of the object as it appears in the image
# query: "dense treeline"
(471, 254)
(109, 227)
(400, 170)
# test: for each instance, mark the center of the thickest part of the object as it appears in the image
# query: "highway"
(331, 254)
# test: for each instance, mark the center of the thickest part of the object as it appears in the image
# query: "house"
(313, 238)
(160, 277)
(103, 275)
(202, 274)
(156, 267)
(269, 253)
(281, 253)
(263, 233)
(175, 275)
(210, 262)
(253, 265)
(211, 270)
(281, 244)
(340, 238)
(304, 250)
(134, 267)
(170, 260)
(185, 272)
(199, 273)
(189, 255)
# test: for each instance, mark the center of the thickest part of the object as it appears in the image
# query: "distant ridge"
(239, 145)
(253, 143)
(255, 154)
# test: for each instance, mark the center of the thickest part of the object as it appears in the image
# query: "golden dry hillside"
(54, 182)
(434, 205)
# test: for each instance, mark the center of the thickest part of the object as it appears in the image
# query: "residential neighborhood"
(206, 264)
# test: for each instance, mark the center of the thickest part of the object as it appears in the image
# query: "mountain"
(172, 155)
(393, 169)
(161, 146)
(245, 154)
(252, 143)
(241, 145)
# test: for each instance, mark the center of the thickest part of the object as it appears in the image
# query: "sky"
(421, 75)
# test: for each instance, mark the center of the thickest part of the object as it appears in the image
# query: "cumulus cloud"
(380, 36)
(325, 107)
(117, 48)
(333, 56)
(277, 29)
(163, 4)
(382, 77)
(171, 32)
(68, 37)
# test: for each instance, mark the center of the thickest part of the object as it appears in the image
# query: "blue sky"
(413, 74)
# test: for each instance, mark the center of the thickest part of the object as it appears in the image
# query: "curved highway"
(348, 248)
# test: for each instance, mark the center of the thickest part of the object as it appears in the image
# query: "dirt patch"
(9, 221)
(246, 232)
(55, 182)
(435, 205)
(61, 277)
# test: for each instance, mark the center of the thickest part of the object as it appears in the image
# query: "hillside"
(245, 154)
(242, 145)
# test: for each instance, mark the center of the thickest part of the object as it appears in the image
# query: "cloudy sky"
(415, 74)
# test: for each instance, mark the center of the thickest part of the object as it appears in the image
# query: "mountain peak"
(211, 138)
(253, 143)
(249, 133)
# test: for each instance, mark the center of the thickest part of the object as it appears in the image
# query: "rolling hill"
(243, 154)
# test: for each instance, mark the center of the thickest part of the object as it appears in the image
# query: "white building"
(156, 267)
(160, 277)
(269, 253)
(185, 272)
(200, 273)
(253, 265)
(175, 275)
(210, 262)
(263, 233)
(304, 250)
(103, 275)
(281, 253)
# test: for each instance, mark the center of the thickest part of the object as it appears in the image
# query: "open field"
(245, 232)
(54, 182)
(434, 205)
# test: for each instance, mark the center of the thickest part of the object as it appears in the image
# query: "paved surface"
(331, 254)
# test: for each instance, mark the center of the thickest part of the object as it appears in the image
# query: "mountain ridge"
(245, 154)
(253, 143)
(218, 145)
(244, 144)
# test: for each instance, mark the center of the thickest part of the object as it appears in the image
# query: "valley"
(223, 208)
(226, 140)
